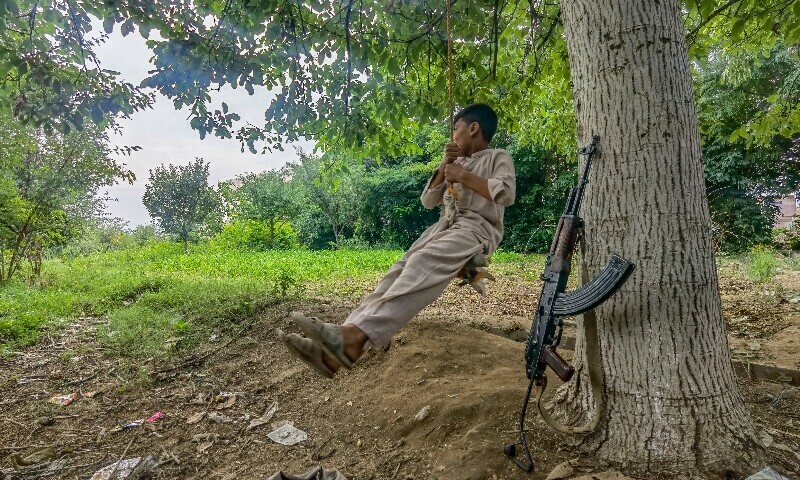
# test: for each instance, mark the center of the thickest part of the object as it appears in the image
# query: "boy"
(473, 184)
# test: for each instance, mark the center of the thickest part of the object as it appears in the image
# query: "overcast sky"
(166, 137)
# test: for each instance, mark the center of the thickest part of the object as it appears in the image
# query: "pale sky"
(166, 137)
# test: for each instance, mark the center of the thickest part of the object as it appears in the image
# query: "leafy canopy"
(364, 74)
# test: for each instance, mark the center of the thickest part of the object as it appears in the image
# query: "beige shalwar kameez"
(468, 224)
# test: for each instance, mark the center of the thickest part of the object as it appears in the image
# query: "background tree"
(49, 185)
(266, 197)
(330, 200)
(390, 213)
(180, 200)
(742, 179)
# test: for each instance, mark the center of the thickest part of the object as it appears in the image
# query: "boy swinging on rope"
(482, 184)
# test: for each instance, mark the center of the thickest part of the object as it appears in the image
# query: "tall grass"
(155, 301)
(156, 292)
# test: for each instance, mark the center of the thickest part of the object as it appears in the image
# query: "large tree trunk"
(672, 406)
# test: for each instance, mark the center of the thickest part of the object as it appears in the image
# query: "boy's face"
(464, 134)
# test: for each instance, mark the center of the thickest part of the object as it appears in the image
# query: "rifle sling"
(594, 367)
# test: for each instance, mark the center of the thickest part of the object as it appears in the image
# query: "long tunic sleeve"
(475, 213)
(431, 197)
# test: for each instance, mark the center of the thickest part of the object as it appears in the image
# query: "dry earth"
(454, 359)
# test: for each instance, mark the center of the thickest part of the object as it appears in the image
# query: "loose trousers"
(415, 281)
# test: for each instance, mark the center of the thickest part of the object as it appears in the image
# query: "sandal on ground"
(326, 335)
(307, 351)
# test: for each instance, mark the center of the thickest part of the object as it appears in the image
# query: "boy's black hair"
(481, 113)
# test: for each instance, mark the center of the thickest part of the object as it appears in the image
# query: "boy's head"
(481, 114)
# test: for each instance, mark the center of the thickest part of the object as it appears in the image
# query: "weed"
(792, 261)
(68, 355)
(763, 265)
(140, 332)
(287, 283)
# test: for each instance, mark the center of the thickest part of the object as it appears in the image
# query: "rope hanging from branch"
(450, 68)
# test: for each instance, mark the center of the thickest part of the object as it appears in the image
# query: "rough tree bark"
(672, 406)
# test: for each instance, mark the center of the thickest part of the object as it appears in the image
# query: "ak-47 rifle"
(554, 303)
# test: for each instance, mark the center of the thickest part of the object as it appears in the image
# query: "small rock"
(766, 439)
(46, 421)
(423, 414)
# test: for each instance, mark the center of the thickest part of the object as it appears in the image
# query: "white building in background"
(789, 208)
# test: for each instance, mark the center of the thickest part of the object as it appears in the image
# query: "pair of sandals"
(319, 338)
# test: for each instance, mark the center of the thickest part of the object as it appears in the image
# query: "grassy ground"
(158, 301)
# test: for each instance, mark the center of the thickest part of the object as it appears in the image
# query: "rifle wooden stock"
(560, 366)
(564, 243)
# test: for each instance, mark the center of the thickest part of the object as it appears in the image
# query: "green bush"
(256, 236)
(763, 265)
(739, 222)
(788, 238)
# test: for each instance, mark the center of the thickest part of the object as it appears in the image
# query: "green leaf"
(737, 28)
(108, 24)
(97, 115)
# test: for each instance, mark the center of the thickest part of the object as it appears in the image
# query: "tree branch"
(711, 16)
(349, 58)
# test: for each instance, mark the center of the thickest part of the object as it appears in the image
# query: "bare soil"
(455, 359)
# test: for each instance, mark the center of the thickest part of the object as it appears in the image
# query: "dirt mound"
(367, 423)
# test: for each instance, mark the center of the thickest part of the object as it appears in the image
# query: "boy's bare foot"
(353, 341)
(341, 345)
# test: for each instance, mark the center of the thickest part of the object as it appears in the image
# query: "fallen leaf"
(39, 456)
(270, 411)
(63, 400)
(563, 470)
(611, 475)
(227, 403)
(264, 419)
(196, 417)
(256, 422)
(204, 446)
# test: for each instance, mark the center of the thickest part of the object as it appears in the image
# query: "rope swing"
(450, 68)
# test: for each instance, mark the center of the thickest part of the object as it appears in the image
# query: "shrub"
(763, 264)
(256, 236)
(788, 238)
